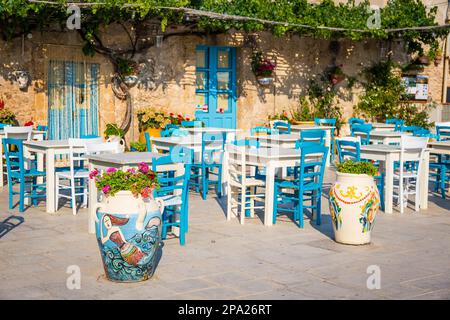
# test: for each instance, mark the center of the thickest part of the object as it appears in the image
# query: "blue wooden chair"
(328, 122)
(349, 148)
(2, 125)
(41, 127)
(308, 185)
(18, 175)
(316, 136)
(282, 127)
(192, 124)
(412, 129)
(211, 159)
(264, 130)
(253, 143)
(353, 121)
(443, 133)
(364, 131)
(397, 122)
(170, 187)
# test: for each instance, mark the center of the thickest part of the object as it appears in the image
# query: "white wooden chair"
(241, 188)
(23, 133)
(407, 182)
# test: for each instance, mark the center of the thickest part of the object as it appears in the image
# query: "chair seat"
(80, 173)
(28, 173)
(249, 181)
(171, 200)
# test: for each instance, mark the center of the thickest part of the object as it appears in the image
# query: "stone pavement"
(226, 260)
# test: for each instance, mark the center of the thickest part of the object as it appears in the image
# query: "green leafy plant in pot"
(114, 133)
(354, 201)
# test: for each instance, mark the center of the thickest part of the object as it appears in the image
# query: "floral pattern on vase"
(354, 201)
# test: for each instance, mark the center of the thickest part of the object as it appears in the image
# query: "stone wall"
(170, 76)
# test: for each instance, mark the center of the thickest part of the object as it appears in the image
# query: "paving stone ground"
(226, 260)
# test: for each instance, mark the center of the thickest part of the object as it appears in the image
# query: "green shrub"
(138, 146)
(361, 167)
(113, 129)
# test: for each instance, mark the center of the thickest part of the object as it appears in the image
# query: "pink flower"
(93, 174)
(146, 192)
(106, 189)
(131, 170)
(143, 167)
(111, 170)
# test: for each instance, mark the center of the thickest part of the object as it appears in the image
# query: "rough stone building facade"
(170, 77)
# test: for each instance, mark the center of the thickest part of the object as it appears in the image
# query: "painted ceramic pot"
(354, 202)
(121, 142)
(265, 81)
(128, 231)
(131, 80)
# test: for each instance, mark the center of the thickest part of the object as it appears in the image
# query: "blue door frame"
(216, 86)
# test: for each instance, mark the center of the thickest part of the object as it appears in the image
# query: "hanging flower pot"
(264, 81)
(437, 60)
(424, 60)
(336, 78)
(131, 80)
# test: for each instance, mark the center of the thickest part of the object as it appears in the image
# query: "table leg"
(328, 144)
(93, 198)
(224, 173)
(389, 181)
(1, 164)
(424, 178)
(40, 166)
(270, 185)
(50, 183)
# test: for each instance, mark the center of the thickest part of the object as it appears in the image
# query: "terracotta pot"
(424, 60)
(437, 60)
(128, 232)
(354, 202)
(302, 123)
(153, 132)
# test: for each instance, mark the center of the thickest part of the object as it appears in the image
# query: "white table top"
(292, 137)
(441, 144)
(383, 125)
(273, 153)
(210, 129)
(384, 134)
(127, 158)
(189, 140)
(47, 144)
(2, 132)
(383, 148)
(306, 127)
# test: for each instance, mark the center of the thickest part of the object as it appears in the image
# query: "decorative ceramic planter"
(153, 132)
(354, 202)
(130, 81)
(128, 231)
(264, 81)
(121, 142)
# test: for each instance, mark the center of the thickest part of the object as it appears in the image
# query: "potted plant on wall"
(354, 201)
(336, 74)
(114, 133)
(152, 121)
(303, 114)
(129, 70)
(128, 222)
(6, 115)
(262, 68)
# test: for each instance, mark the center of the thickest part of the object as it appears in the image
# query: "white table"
(385, 137)
(377, 126)
(388, 154)
(49, 149)
(230, 134)
(440, 147)
(272, 159)
(286, 141)
(36, 135)
(120, 161)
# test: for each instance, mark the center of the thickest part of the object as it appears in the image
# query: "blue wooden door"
(216, 86)
(72, 99)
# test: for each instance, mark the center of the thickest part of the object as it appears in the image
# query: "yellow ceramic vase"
(153, 132)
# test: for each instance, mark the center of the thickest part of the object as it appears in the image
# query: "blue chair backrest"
(41, 127)
(353, 121)
(168, 179)
(397, 122)
(192, 124)
(443, 133)
(147, 141)
(348, 150)
(364, 129)
(247, 143)
(411, 128)
(312, 164)
(325, 121)
(316, 136)
(213, 144)
(13, 149)
(284, 126)
(265, 130)
(2, 125)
